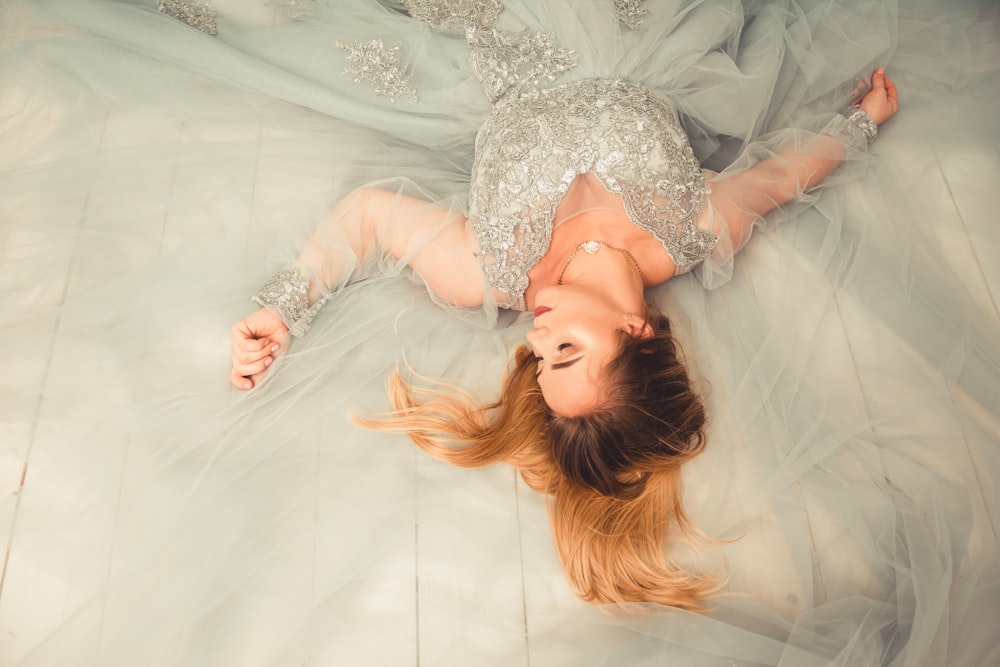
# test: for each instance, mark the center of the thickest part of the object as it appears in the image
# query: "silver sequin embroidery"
(286, 293)
(854, 127)
(532, 148)
(504, 59)
(455, 13)
(379, 66)
(198, 14)
(629, 11)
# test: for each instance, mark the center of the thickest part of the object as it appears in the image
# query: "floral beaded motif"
(198, 14)
(455, 13)
(379, 66)
(286, 293)
(532, 148)
(629, 11)
(502, 59)
(854, 127)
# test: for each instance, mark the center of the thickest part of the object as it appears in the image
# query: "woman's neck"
(608, 272)
(565, 259)
(587, 212)
(607, 269)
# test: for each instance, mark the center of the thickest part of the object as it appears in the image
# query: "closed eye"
(565, 364)
(562, 347)
(558, 366)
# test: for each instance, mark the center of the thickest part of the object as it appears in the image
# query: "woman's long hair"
(612, 476)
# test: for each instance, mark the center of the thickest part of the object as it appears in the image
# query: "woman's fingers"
(252, 368)
(881, 80)
(878, 79)
(246, 376)
(891, 94)
(252, 350)
(240, 381)
(251, 356)
(882, 102)
(246, 346)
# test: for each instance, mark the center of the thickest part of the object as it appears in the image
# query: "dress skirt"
(158, 161)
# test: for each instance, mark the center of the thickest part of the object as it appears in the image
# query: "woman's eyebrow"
(560, 365)
(565, 364)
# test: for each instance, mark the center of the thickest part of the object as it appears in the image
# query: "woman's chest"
(587, 212)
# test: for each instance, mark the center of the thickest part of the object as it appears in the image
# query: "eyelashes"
(560, 348)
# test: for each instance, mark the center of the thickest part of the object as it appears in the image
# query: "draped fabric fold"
(152, 176)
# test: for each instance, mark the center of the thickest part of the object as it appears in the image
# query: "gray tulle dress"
(160, 159)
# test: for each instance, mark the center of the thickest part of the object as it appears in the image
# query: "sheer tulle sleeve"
(379, 231)
(775, 178)
(849, 363)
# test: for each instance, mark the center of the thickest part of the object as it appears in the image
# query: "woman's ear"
(637, 326)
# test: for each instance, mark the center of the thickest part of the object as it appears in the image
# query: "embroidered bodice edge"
(534, 145)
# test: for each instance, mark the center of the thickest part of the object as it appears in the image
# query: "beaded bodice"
(540, 134)
(537, 141)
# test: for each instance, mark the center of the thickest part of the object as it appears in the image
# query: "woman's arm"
(746, 196)
(437, 243)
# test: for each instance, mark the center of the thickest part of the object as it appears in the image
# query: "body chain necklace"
(591, 248)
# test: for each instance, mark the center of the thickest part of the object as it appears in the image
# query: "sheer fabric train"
(155, 175)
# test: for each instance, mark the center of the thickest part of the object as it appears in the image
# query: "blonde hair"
(611, 515)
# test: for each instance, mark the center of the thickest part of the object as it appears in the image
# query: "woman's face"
(576, 333)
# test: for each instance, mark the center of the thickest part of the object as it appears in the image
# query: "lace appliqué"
(199, 15)
(449, 14)
(532, 148)
(379, 66)
(690, 247)
(293, 9)
(854, 127)
(286, 293)
(629, 11)
(502, 60)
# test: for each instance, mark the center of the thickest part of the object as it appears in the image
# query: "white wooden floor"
(34, 285)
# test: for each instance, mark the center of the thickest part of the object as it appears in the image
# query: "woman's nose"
(535, 337)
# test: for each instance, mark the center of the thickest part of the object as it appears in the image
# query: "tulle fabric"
(848, 357)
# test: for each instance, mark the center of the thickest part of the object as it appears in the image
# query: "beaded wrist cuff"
(854, 127)
(286, 293)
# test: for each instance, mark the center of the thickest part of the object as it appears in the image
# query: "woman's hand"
(256, 342)
(882, 101)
